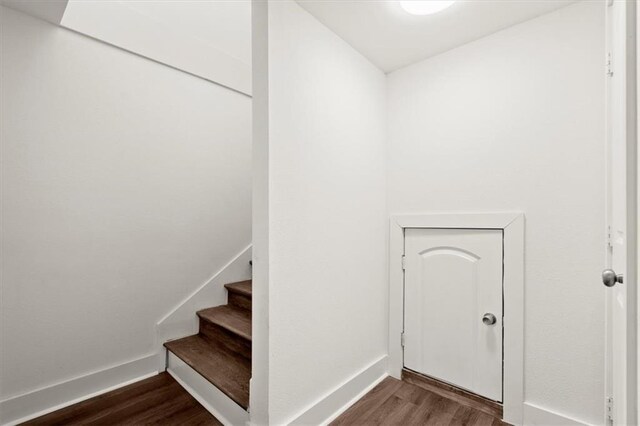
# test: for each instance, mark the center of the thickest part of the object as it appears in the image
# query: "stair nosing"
(237, 290)
(224, 325)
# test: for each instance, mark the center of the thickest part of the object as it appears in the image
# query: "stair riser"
(239, 300)
(224, 337)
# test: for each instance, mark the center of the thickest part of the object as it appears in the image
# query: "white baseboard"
(538, 416)
(217, 403)
(34, 404)
(182, 321)
(334, 403)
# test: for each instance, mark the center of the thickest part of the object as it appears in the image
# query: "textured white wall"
(327, 211)
(210, 39)
(125, 185)
(515, 121)
(259, 395)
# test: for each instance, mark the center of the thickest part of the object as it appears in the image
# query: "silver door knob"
(489, 319)
(610, 278)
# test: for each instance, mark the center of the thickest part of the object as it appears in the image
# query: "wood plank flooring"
(158, 400)
(395, 402)
(448, 391)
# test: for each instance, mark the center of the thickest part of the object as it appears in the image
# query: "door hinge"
(609, 66)
(402, 339)
(610, 410)
(404, 262)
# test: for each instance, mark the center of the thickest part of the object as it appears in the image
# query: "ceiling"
(49, 10)
(391, 38)
(225, 25)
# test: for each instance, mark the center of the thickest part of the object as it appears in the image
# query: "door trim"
(512, 225)
(627, 97)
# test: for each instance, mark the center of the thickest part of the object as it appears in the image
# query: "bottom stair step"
(210, 397)
(225, 370)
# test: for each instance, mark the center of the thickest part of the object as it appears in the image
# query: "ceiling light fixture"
(425, 7)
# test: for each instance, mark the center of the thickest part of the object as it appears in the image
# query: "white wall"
(259, 392)
(224, 25)
(49, 10)
(515, 121)
(209, 39)
(125, 185)
(326, 232)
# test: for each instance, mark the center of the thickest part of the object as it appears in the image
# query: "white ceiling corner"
(391, 38)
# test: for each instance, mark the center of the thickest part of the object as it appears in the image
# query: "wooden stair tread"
(223, 369)
(232, 318)
(242, 287)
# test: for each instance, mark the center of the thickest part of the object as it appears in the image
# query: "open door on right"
(620, 274)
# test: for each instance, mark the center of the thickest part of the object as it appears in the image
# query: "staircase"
(220, 354)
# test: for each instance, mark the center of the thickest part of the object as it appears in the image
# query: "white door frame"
(621, 34)
(512, 225)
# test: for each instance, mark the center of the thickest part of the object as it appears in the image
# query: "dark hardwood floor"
(159, 400)
(469, 399)
(395, 402)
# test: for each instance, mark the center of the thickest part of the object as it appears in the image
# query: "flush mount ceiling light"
(425, 7)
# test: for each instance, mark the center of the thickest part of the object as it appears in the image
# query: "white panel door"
(453, 279)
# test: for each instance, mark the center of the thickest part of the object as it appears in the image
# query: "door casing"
(621, 306)
(512, 224)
